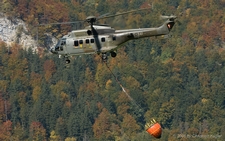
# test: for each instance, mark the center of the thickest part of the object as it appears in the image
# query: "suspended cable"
(127, 94)
(153, 127)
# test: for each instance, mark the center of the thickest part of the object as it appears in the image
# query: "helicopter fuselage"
(102, 39)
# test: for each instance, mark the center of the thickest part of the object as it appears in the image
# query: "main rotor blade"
(103, 17)
(61, 23)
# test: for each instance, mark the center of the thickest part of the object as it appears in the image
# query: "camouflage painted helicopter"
(100, 39)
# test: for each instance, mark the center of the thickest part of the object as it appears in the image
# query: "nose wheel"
(67, 61)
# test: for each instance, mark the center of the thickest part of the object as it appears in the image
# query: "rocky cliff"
(16, 32)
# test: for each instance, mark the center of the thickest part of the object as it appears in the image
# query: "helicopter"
(102, 38)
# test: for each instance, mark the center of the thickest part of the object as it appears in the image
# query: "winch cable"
(132, 100)
(152, 123)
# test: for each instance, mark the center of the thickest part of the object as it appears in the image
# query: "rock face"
(17, 32)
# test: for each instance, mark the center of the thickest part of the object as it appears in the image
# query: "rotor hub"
(91, 19)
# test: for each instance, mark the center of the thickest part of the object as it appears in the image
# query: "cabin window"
(92, 40)
(87, 41)
(81, 41)
(63, 42)
(114, 38)
(76, 43)
(103, 39)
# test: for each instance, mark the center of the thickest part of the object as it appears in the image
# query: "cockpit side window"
(76, 43)
(63, 42)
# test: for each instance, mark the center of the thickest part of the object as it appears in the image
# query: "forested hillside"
(179, 81)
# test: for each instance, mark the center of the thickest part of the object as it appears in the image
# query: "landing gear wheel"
(67, 61)
(113, 54)
(104, 57)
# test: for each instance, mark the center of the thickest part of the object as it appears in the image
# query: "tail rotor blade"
(123, 13)
(168, 17)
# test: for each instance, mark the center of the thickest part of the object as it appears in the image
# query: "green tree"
(166, 113)
(101, 127)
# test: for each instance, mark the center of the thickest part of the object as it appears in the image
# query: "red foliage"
(4, 105)
(49, 68)
(37, 131)
(146, 5)
(5, 130)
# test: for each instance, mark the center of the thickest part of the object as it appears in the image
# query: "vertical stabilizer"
(167, 26)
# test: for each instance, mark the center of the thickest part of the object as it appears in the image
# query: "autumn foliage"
(179, 81)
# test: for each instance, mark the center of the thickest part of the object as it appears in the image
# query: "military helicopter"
(101, 39)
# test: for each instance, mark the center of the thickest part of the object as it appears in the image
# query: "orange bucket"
(154, 129)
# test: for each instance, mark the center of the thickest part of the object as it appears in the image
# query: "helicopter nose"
(52, 50)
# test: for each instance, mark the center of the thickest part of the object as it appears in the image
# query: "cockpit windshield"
(57, 46)
(60, 44)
